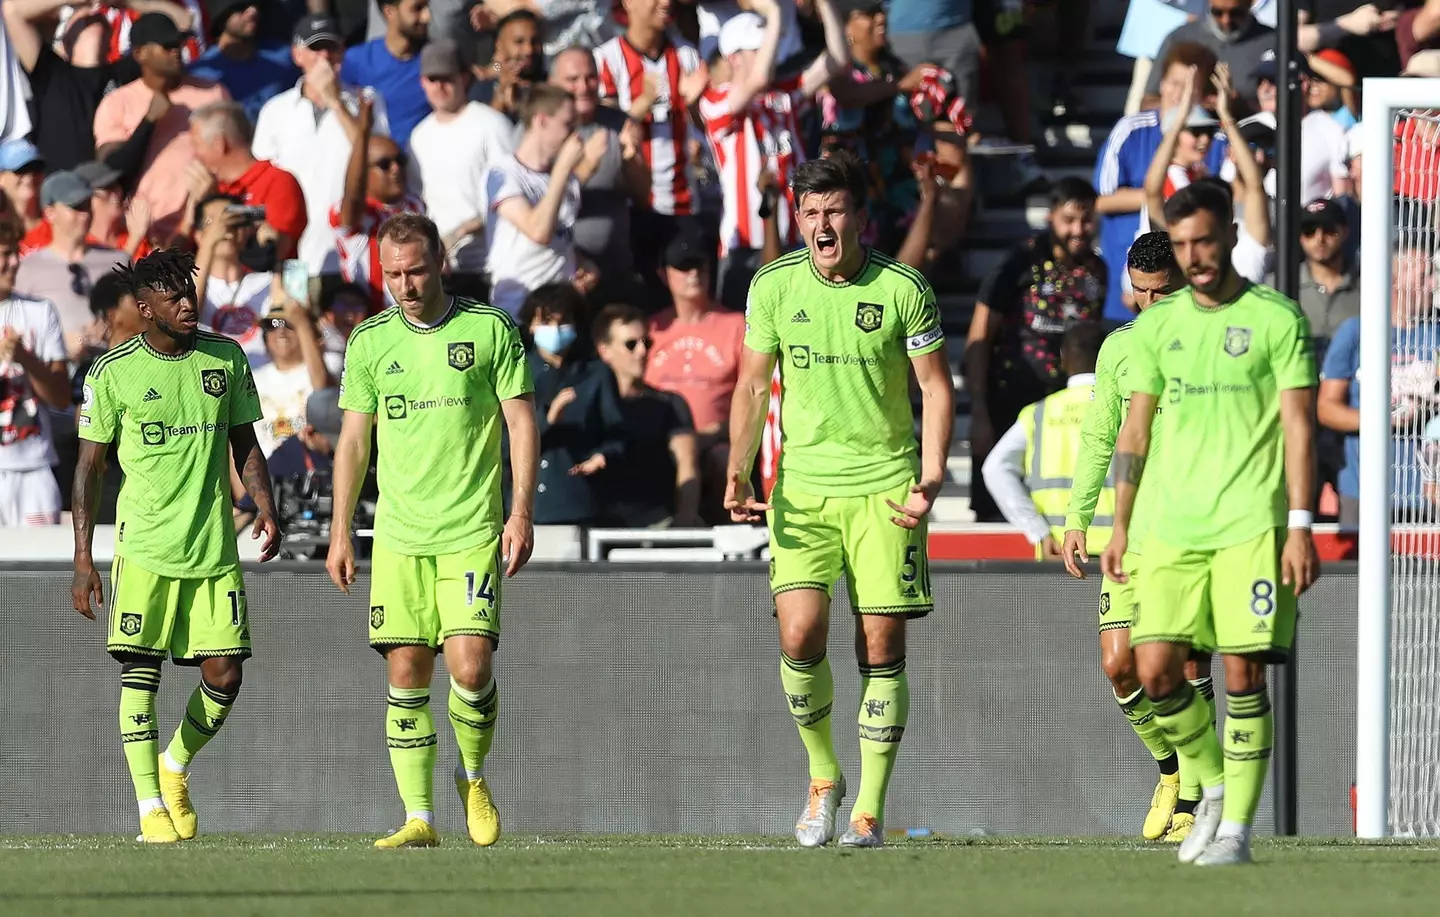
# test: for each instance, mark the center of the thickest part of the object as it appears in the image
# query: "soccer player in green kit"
(1233, 365)
(179, 403)
(437, 373)
(1153, 275)
(847, 325)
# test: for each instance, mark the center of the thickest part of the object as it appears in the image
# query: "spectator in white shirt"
(296, 368)
(451, 149)
(303, 131)
(32, 379)
(533, 196)
(232, 297)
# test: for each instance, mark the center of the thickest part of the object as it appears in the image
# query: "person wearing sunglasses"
(157, 44)
(376, 188)
(296, 368)
(64, 272)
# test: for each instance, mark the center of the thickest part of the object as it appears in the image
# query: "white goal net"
(1398, 724)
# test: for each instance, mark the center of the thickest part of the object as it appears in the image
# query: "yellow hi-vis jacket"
(1052, 444)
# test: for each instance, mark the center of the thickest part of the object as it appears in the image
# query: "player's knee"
(1119, 667)
(1244, 674)
(470, 674)
(802, 639)
(409, 666)
(880, 643)
(224, 675)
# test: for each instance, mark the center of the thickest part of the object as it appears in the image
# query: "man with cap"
(68, 78)
(1329, 289)
(21, 171)
(305, 130)
(312, 447)
(452, 148)
(753, 125)
(254, 71)
(157, 43)
(112, 224)
(65, 271)
(695, 348)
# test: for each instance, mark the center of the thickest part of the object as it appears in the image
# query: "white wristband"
(1301, 519)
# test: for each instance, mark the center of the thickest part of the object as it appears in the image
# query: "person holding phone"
(232, 286)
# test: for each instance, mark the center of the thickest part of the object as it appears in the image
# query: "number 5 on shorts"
(915, 567)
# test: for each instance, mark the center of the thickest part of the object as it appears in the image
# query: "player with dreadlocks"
(178, 402)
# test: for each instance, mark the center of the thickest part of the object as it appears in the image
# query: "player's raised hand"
(86, 586)
(917, 504)
(340, 562)
(1299, 565)
(740, 502)
(516, 542)
(1112, 560)
(1074, 554)
(267, 526)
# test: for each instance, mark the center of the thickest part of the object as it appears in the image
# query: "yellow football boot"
(1162, 806)
(480, 815)
(1180, 826)
(157, 828)
(175, 791)
(416, 832)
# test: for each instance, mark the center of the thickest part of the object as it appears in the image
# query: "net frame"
(1396, 544)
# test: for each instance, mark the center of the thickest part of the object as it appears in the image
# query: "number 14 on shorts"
(484, 591)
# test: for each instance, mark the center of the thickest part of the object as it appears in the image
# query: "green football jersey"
(436, 394)
(1111, 401)
(172, 417)
(1218, 374)
(844, 353)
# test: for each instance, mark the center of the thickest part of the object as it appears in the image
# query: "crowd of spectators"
(612, 175)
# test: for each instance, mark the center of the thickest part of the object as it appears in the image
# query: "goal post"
(1387, 803)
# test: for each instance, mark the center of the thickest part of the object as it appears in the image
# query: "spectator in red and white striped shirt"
(753, 125)
(654, 76)
(375, 190)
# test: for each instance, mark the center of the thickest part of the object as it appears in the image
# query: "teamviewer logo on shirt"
(152, 433)
(800, 356)
(395, 407)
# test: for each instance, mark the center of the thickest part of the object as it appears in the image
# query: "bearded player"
(439, 374)
(1227, 509)
(178, 403)
(1153, 275)
(846, 325)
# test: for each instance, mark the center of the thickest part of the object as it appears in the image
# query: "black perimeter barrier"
(642, 698)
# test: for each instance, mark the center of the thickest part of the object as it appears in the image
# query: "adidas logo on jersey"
(394, 368)
(1175, 345)
(152, 395)
(908, 592)
(800, 318)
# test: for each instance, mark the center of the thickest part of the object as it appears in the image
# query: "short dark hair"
(1191, 54)
(167, 270)
(329, 294)
(1152, 254)
(840, 171)
(1071, 190)
(543, 99)
(411, 227)
(552, 300)
(1081, 346)
(1212, 196)
(612, 315)
(207, 200)
(519, 15)
(106, 294)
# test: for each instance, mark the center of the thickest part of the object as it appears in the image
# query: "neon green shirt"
(436, 394)
(844, 353)
(172, 417)
(1110, 403)
(1218, 373)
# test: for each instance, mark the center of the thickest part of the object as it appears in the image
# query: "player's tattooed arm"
(255, 475)
(85, 504)
(1129, 468)
(1132, 447)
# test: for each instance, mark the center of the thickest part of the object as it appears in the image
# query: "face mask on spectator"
(554, 338)
(258, 258)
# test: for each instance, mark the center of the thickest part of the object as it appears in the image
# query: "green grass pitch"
(598, 876)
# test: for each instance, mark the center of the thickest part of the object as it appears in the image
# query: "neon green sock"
(473, 714)
(1249, 733)
(205, 713)
(139, 731)
(1206, 688)
(1141, 714)
(410, 733)
(1189, 780)
(884, 709)
(810, 690)
(1186, 721)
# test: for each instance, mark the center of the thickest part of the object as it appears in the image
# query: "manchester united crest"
(377, 616)
(212, 381)
(130, 624)
(461, 355)
(1237, 341)
(869, 316)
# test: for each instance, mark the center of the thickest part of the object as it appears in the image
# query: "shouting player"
(1234, 366)
(1153, 276)
(846, 324)
(439, 372)
(180, 402)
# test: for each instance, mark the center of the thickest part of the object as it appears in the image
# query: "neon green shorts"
(1117, 600)
(421, 601)
(190, 619)
(814, 539)
(1228, 600)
